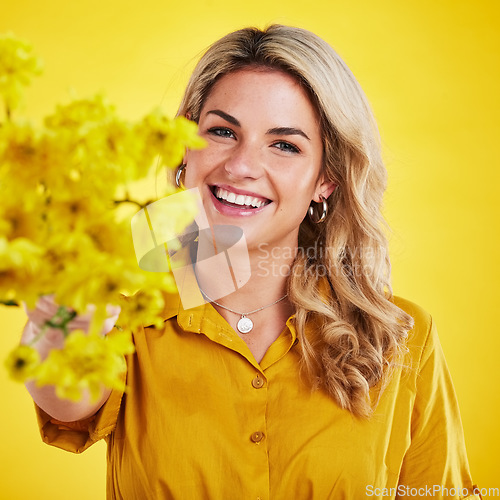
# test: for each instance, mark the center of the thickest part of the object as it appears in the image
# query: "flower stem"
(10, 303)
(61, 319)
(128, 200)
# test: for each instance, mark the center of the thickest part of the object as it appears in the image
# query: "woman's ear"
(324, 188)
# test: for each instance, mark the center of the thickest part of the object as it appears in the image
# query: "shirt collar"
(204, 319)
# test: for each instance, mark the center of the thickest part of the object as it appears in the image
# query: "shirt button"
(257, 437)
(258, 382)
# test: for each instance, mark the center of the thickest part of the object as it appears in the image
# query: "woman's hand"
(44, 338)
(53, 338)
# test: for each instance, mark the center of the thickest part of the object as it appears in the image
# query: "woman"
(310, 380)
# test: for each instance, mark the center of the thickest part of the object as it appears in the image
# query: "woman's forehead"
(264, 90)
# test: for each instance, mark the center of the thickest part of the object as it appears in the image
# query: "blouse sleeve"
(78, 436)
(436, 459)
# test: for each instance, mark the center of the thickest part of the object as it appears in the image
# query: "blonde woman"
(311, 380)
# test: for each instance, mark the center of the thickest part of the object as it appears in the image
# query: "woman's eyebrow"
(287, 131)
(231, 119)
(272, 131)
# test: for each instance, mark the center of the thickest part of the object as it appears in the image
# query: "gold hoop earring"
(178, 174)
(311, 214)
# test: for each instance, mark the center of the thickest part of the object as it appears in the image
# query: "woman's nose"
(245, 161)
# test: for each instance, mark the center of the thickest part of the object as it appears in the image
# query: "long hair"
(351, 335)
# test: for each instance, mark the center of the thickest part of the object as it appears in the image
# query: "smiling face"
(262, 165)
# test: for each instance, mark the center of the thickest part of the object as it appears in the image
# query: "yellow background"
(430, 70)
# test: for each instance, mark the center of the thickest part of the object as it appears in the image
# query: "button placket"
(258, 382)
(255, 428)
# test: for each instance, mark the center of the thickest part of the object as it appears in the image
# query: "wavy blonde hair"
(351, 335)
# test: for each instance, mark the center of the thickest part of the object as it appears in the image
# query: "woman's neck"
(239, 281)
(243, 279)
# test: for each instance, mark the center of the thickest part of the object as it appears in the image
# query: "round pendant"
(245, 324)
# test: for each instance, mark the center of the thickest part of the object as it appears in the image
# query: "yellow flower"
(169, 138)
(79, 117)
(65, 210)
(142, 309)
(21, 218)
(38, 162)
(187, 132)
(20, 263)
(86, 362)
(18, 66)
(19, 145)
(22, 363)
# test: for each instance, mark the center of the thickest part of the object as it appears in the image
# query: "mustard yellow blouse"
(203, 420)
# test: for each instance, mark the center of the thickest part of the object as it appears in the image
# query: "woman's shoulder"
(423, 335)
(422, 341)
(422, 319)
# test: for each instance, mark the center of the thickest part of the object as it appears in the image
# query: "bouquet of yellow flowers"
(65, 211)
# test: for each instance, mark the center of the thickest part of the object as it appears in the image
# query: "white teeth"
(239, 199)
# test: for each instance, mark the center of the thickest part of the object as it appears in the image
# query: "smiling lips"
(237, 200)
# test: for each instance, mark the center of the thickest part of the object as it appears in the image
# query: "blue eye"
(221, 132)
(286, 147)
